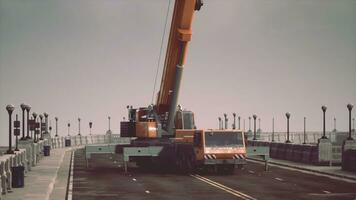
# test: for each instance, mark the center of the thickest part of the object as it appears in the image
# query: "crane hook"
(198, 4)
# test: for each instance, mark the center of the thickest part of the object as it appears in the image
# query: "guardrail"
(311, 137)
(316, 154)
(30, 154)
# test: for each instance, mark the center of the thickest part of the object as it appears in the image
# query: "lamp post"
(238, 121)
(225, 117)
(23, 108)
(349, 107)
(10, 108)
(324, 108)
(79, 126)
(50, 127)
(34, 115)
(41, 126)
(353, 124)
(28, 108)
(17, 132)
(249, 124)
(46, 123)
(90, 126)
(68, 125)
(305, 133)
(334, 125)
(219, 118)
(288, 116)
(234, 124)
(254, 126)
(273, 129)
(56, 118)
(109, 118)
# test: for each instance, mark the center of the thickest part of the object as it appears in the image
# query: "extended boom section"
(180, 36)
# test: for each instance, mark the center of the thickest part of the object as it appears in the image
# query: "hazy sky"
(89, 59)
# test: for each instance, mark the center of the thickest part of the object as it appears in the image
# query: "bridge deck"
(249, 183)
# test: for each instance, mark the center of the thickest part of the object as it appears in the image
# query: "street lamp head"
(349, 106)
(225, 115)
(10, 108)
(234, 114)
(323, 108)
(249, 118)
(219, 118)
(23, 106)
(90, 124)
(45, 115)
(109, 117)
(34, 115)
(79, 119)
(56, 118)
(28, 108)
(288, 115)
(68, 124)
(254, 117)
(41, 116)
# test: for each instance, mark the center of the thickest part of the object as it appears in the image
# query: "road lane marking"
(147, 191)
(278, 179)
(51, 185)
(223, 187)
(70, 187)
(326, 192)
(305, 171)
(250, 171)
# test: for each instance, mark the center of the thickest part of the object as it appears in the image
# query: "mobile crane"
(165, 133)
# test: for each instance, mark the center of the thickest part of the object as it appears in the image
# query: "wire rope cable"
(160, 51)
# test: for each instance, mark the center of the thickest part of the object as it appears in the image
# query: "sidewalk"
(47, 180)
(334, 171)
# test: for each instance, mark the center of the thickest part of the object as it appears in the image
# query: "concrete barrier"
(273, 149)
(289, 151)
(336, 154)
(349, 160)
(324, 152)
(297, 153)
(319, 154)
(281, 151)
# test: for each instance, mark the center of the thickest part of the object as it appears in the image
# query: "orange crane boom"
(180, 35)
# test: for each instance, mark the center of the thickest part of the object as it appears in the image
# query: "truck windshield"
(223, 139)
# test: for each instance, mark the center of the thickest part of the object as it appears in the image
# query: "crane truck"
(166, 134)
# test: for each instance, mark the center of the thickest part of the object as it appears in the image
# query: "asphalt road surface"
(251, 182)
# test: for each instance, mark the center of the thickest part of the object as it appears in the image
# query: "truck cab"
(222, 149)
